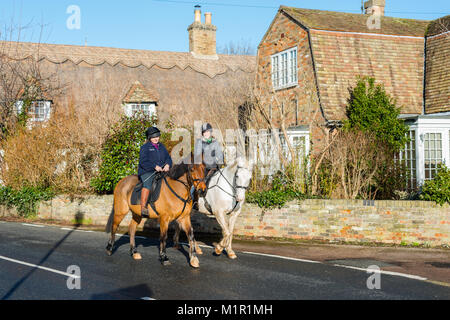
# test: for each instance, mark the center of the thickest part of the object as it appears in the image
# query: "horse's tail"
(109, 224)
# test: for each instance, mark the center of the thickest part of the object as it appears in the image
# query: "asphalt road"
(34, 264)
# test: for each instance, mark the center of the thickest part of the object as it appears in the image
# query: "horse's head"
(197, 173)
(243, 177)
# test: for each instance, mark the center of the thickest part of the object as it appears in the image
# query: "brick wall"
(329, 220)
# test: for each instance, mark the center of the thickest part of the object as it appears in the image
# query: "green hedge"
(26, 200)
(438, 189)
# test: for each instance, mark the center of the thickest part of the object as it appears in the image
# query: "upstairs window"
(146, 108)
(284, 69)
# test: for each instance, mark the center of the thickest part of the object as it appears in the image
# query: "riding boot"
(144, 208)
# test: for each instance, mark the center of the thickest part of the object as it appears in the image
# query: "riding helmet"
(206, 127)
(153, 132)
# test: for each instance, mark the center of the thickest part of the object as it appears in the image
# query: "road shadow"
(131, 293)
(78, 218)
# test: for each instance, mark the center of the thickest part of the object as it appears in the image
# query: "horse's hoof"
(137, 256)
(198, 251)
(232, 255)
(218, 251)
(194, 263)
(109, 252)
(165, 261)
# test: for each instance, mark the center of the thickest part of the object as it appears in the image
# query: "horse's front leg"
(187, 227)
(220, 217)
(231, 222)
(176, 240)
(163, 228)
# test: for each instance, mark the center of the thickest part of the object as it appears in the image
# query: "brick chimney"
(375, 7)
(202, 36)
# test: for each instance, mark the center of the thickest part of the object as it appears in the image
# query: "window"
(298, 142)
(433, 153)
(284, 69)
(408, 158)
(39, 111)
(147, 108)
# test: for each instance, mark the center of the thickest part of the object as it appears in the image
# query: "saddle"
(154, 191)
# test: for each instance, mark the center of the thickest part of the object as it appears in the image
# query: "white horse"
(224, 198)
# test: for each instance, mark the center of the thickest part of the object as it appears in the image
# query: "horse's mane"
(178, 170)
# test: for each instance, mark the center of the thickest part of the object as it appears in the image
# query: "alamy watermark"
(374, 281)
(74, 281)
(73, 22)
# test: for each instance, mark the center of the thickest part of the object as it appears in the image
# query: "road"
(34, 263)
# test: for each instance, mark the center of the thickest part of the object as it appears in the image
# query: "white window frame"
(284, 73)
(44, 104)
(422, 126)
(132, 108)
(408, 157)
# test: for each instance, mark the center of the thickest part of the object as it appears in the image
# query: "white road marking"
(248, 252)
(392, 273)
(33, 225)
(73, 229)
(40, 267)
(147, 298)
(281, 257)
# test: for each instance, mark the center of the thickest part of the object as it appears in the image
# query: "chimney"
(198, 14)
(208, 17)
(375, 7)
(202, 36)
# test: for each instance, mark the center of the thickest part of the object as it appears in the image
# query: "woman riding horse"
(153, 158)
(208, 148)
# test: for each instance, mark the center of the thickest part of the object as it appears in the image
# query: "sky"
(162, 24)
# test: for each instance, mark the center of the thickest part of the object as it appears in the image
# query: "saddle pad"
(154, 192)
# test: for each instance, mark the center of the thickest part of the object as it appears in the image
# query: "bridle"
(188, 185)
(233, 186)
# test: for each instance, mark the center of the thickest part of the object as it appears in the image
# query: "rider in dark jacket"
(153, 157)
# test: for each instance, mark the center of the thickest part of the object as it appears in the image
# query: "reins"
(233, 186)
(187, 185)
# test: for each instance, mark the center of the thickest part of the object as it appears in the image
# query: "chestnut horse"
(174, 203)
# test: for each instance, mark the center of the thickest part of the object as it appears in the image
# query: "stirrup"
(144, 213)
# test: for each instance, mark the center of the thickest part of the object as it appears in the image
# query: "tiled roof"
(340, 58)
(438, 26)
(351, 22)
(132, 58)
(345, 48)
(139, 94)
(437, 80)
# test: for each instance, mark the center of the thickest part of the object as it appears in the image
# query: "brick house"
(308, 59)
(185, 86)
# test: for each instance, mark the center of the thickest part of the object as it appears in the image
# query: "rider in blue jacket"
(153, 157)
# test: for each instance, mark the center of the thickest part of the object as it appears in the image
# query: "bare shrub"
(350, 166)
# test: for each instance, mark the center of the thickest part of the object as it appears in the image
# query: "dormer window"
(140, 99)
(149, 109)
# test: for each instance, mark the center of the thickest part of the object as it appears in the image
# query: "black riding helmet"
(206, 127)
(152, 132)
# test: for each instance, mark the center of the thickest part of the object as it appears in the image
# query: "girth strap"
(185, 201)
